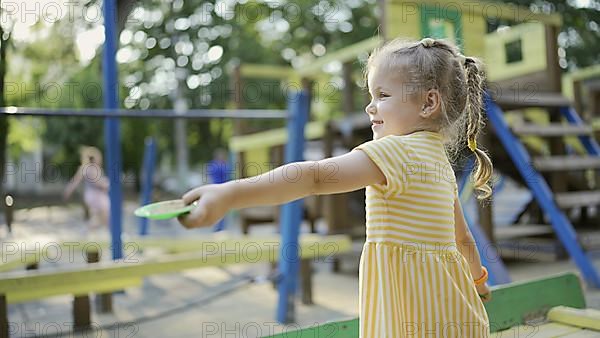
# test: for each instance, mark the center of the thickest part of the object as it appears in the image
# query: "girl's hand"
(212, 206)
(484, 292)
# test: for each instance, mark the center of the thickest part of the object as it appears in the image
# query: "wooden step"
(553, 129)
(577, 199)
(566, 162)
(511, 100)
(521, 230)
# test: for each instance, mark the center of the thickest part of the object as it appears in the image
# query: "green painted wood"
(341, 329)
(512, 305)
(516, 303)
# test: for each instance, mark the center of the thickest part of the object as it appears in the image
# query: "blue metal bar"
(147, 175)
(291, 213)
(542, 193)
(588, 142)
(153, 113)
(498, 274)
(112, 137)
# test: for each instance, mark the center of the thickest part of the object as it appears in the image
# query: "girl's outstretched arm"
(348, 172)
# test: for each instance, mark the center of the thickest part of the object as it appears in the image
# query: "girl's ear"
(432, 104)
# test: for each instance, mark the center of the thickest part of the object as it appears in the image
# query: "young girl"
(95, 184)
(420, 273)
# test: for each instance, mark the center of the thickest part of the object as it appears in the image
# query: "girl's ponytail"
(475, 122)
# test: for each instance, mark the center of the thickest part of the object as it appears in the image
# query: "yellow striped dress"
(413, 280)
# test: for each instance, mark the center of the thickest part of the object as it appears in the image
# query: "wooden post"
(8, 211)
(103, 300)
(81, 313)
(348, 90)
(306, 281)
(3, 317)
(239, 125)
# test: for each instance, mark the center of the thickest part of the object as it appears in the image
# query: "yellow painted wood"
(266, 71)
(584, 318)
(60, 287)
(349, 53)
(273, 137)
(212, 251)
(533, 45)
(489, 9)
(19, 260)
(596, 124)
(257, 161)
(473, 33)
(578, 75)
(403, 20)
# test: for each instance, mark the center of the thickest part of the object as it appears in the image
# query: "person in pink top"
(95, 186)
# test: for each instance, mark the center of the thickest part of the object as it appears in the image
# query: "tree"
(4, 43)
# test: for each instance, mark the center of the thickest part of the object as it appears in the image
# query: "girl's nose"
(370, 108)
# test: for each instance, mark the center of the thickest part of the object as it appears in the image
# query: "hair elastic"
(427, 42)
(472, 143)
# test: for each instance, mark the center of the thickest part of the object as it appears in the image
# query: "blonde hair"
(438, 64)
(90, 155)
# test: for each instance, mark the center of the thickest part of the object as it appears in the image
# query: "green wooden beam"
(515, 303)
(511, 305)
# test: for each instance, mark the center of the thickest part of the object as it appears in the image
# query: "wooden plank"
(550, 130)
(345, 54)
(342, 329)
(567, 162)
(529, 99)
(109, 276)
(584, 318)
(577, 199)
(521, 230)
(273, 137)
(37, 288)
(519, 302)
(260, 71)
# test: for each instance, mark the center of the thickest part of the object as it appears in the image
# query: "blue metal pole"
(147, 174)
(588, 141)
(291, 213)
(112, 137)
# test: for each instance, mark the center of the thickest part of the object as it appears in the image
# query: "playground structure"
(525, 83)
(521, 82)
(550, 307)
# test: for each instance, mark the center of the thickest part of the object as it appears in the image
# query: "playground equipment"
(525, 86)
(105, 277)
(297, 115)
(549, 307)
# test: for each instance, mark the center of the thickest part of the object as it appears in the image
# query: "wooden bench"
(554, 304)
(105, 277)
